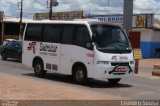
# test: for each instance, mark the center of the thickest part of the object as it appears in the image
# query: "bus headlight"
(103, 62)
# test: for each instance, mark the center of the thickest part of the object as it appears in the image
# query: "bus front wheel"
(39, 69)
(114, 81)
(80, 75)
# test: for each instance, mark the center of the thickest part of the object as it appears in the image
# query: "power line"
(36, 1)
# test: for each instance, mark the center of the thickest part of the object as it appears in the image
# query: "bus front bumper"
(104, 72)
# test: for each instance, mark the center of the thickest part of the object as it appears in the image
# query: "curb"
(156, 70)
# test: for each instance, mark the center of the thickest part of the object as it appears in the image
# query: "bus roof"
(76, 21)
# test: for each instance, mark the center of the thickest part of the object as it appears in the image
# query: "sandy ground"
(23, 88)
(148, 63)
(18, 88)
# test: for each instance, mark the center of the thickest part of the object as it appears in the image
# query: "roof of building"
(9, 19)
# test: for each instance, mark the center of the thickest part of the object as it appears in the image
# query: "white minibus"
(81, 48)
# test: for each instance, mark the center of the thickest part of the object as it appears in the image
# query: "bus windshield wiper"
(112, 44)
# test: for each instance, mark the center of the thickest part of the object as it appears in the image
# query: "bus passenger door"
(76, 47)
(50, 48)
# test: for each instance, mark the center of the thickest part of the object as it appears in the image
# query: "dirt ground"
(149, 62)
(18, 88)
(23, 88)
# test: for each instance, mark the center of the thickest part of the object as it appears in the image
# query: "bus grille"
(120, 64)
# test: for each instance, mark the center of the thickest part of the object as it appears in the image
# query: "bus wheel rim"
(38, 68)
(79, 75)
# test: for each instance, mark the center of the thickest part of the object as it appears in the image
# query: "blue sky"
(88, 6)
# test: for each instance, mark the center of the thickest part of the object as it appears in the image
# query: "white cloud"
(147, 6)
(89, 6)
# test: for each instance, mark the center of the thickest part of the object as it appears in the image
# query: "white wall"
(149, 35)
(146, 35)
(156, 36)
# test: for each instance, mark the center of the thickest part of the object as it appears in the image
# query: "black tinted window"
(9, 44)
(83, 37)
(34, 32)
(52, 33)
(17, 44)
(68, 34)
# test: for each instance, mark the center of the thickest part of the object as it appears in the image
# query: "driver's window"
(83, 37)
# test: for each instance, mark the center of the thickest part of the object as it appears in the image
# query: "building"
(10, 28)
(150, 42)
(60, 15)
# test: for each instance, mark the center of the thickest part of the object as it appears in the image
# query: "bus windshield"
(111, 39)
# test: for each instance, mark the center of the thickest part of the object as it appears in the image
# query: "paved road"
(137, 88)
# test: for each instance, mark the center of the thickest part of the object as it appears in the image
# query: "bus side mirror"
(93, 37)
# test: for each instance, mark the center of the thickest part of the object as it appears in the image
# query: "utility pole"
(2, 32)
(128, 14)
(20, 6)
(50, 11)
(52, 3)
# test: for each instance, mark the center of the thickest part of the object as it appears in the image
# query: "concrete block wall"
(150, 40)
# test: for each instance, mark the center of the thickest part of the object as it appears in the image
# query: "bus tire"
(80, 75)
(114, 81)
(3, 56)
(39, 69)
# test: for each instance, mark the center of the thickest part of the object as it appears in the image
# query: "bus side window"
(83, 37)
(68, 34)
(52, 33)
(34, 32)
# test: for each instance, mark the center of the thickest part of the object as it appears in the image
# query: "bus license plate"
(121, 69)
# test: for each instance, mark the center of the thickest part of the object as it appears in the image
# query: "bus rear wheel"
(39, 69)
(80, 75)
(114, 81)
